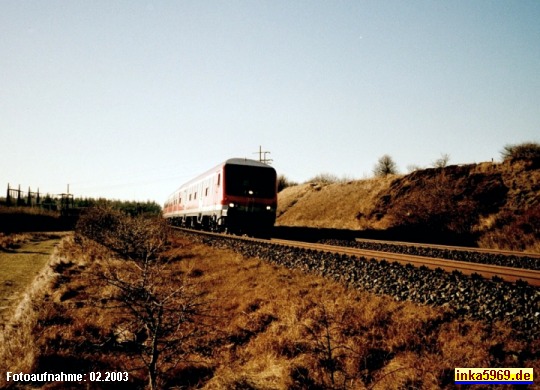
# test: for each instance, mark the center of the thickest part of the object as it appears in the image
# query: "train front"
(250, 197)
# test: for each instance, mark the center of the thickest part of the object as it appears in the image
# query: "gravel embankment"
(473, 297)
(526, 262)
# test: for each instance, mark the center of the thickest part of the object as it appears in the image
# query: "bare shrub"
(159, 305)
(101, 224)
(413, 168)
(143, 238)
(325, 335)
(159, 316)
(442, 161)
(385, 166)
(138, 238)
(526, 151)
(284, 182)
(324, 178)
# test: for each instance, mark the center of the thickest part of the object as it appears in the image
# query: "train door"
(219, 195)
(200, 196)
(218, 192)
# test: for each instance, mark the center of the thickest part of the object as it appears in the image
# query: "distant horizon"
(160, 202)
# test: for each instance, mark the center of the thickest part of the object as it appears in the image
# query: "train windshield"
(241, 180)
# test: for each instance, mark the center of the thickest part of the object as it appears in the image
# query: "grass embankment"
(25, 282)
(22, 257)
(490, 205)
(256, 326)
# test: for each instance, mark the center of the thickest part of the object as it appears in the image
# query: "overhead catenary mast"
(262, 156)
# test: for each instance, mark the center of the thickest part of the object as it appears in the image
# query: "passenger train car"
(237, 196)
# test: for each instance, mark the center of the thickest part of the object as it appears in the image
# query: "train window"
(250, 181)
(206, 192)
(195, 196)
(219, 179)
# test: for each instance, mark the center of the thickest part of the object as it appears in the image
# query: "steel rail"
(509, 274)
(453, 248)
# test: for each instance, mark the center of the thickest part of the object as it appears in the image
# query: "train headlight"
(231, 205)
(268, 208)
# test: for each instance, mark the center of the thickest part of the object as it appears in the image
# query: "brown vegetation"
(491, 204)
(527, 151)
(336, 205)
(254, 326)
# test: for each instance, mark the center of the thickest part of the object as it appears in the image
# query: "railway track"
(488, 271)
(453, 248)
(509, 274)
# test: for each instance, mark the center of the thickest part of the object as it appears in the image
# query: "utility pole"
(262, 156)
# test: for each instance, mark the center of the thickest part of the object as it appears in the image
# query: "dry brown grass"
(337, 205)
(266, 327)
(471, 201)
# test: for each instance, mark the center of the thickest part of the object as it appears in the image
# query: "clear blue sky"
(129, 99)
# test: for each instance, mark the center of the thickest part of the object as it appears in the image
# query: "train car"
(238, 196)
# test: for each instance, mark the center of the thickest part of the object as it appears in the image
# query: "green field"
(20, 263)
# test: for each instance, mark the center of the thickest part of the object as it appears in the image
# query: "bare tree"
(159, 306)
(159, 316)
(442, 161)
(385, 166)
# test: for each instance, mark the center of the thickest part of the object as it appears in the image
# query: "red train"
(238, 196)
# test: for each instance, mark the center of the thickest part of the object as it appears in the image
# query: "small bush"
(138, 238)
(324, 178)
(100, 224)
(442, 161)
(529, 151)
(283, 182)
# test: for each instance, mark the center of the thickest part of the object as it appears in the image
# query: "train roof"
(246, 161)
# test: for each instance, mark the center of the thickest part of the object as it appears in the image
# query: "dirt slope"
(493, 204)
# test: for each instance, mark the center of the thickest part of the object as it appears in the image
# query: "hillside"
(494, 205)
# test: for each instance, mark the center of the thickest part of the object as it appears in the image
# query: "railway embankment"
(486, 205)
(469, 297)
